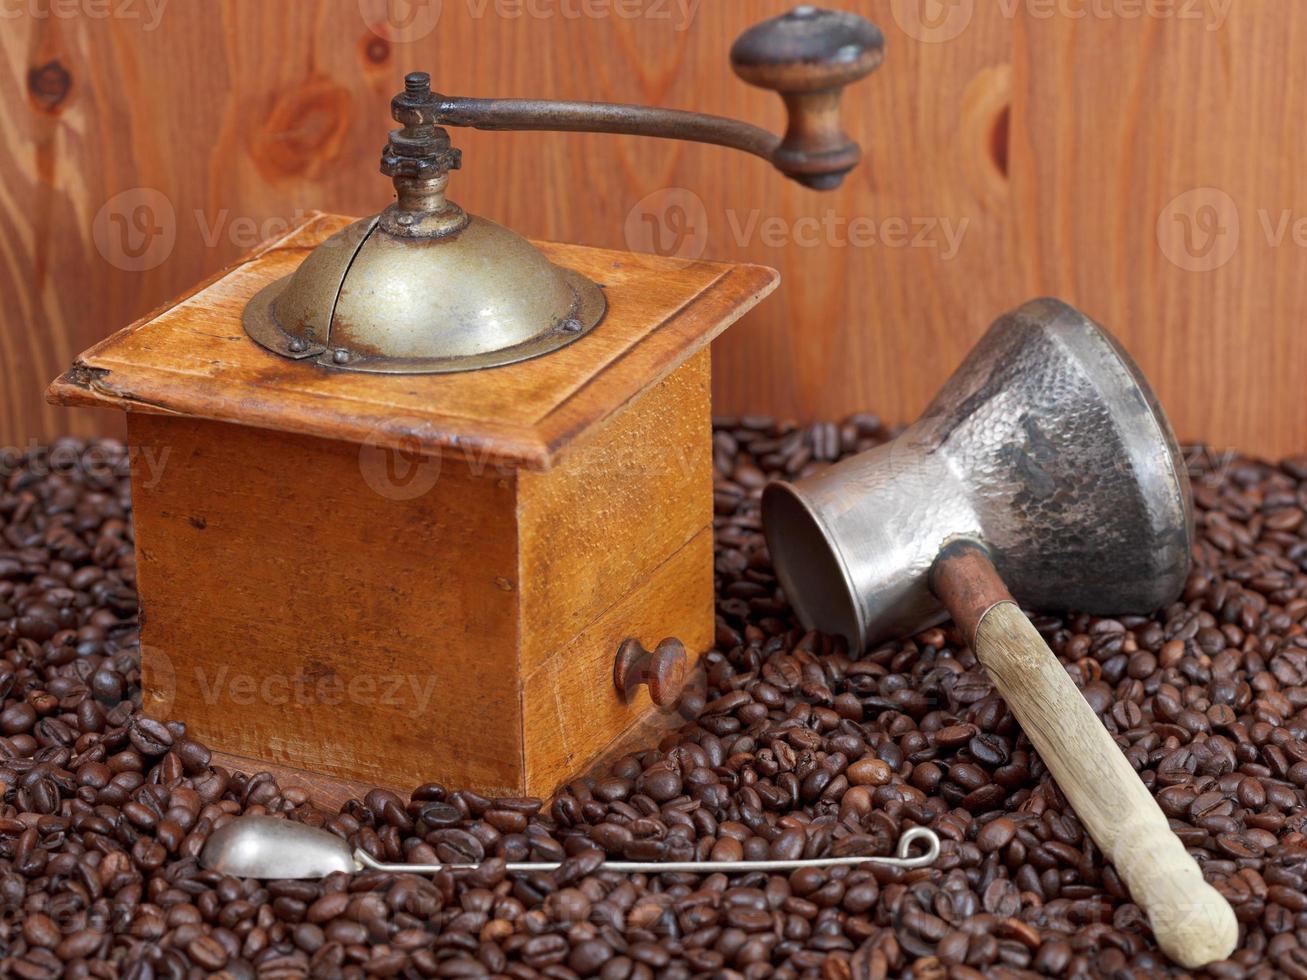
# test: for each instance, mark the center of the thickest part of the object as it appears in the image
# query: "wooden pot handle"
(1194, 925)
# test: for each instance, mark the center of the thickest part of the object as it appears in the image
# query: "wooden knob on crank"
(664, 670)
(808, 55)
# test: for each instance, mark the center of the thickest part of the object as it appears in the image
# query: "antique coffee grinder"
(417, 480)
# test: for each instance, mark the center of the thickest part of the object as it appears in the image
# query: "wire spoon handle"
(264, 846)
(904, 859)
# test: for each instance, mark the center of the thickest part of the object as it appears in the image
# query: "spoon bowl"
(272, 847)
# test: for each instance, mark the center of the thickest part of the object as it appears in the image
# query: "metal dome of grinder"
(1045, 464)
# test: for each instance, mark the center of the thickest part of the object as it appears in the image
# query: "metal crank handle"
(904, 859)
(807, 56)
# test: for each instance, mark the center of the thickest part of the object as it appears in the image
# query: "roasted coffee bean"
(996, 835)
(802, 748)
(456, 846)
(869, 771)
(40, 930)
(149, 736)
(989, 750)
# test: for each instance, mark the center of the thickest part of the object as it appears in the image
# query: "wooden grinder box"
(401, 578)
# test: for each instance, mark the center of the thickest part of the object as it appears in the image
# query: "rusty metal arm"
(608, 117)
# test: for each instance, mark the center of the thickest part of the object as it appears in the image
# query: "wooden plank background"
(1142, 159)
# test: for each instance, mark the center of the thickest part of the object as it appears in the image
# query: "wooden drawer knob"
(664, 670)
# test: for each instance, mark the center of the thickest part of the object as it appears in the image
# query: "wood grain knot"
(48, 86)
(984, 133)
(664, 670)
(375, 50)
(304, 131)
(998, 139)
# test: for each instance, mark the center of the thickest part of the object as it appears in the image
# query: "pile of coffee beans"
(793, 746)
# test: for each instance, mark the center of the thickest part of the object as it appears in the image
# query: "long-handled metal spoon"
(272, 847)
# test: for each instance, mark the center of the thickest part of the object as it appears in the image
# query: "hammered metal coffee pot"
(1045, 465)
(424, 287)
